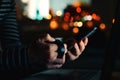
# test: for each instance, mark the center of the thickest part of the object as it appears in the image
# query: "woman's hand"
(44, 53)
(53, 60)
(78, 49)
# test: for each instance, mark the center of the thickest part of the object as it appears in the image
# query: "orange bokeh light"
(53, 24)
(102, 26)
(96, 17)
(76, 4)
(89, 24)
(65, 26)
(75, 30)
(78, 9)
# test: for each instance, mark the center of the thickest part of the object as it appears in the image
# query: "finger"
(77, 49)
(65, 46)
(72, 56)
(81, 46)
(49, 38)
(85, 41)
(75, 54)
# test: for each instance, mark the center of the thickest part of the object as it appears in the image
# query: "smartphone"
(81, 36)
(85, 32)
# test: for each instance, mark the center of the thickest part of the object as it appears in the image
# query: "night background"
(70, 18)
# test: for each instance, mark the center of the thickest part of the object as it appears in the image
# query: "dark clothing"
(14, 56)
(8, 25)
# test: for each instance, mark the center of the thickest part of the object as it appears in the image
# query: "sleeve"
(14, 55)
(9, 29)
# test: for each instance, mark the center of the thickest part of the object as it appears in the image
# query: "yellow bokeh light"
(75, 24)
(80, 24)
(49, 17)
(59, 13)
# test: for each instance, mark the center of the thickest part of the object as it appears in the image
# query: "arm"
(9, 27)
(14, 54)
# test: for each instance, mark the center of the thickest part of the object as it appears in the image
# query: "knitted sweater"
(13, 56)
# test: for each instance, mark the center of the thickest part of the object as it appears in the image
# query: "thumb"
(49, 38)
(46, 38)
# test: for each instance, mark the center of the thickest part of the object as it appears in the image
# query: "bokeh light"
(80, 24)
(102, 26)
(59, 13)
(78, 9)
(96, 17)
(89, 24)
(65, 26)
(53, 24)
(48, 17)
(75, 30)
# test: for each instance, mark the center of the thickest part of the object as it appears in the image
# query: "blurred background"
(65, 18)
(69, 18)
